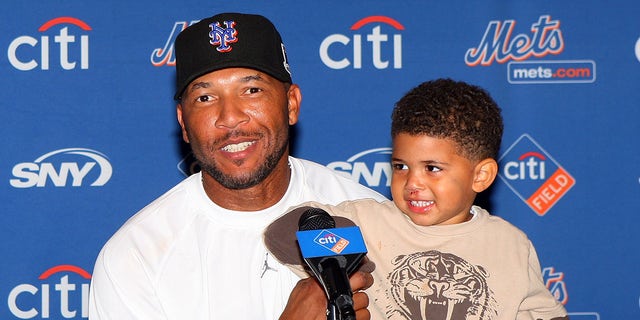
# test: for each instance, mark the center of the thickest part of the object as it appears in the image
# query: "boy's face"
(431, 183)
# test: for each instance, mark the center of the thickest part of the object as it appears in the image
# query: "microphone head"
(281, 241)
(315, 219)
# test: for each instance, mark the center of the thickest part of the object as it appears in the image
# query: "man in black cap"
(197, 251)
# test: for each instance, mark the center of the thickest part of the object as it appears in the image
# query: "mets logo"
(535, 177)
(223, 37)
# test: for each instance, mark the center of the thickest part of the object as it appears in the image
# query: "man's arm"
(121, 291)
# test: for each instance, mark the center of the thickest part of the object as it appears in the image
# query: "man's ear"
(484, 174)
(185, 137)
(294, 97)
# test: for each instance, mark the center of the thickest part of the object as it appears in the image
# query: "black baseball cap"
(229, 40)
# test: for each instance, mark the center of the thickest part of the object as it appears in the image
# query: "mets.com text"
(567, 71)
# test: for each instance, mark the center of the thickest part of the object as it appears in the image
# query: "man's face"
(237, 122)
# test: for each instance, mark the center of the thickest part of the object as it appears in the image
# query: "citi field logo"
(382, 50)
(60, 292)
(74, 166)
(189, 165)
(370, 167)
(533, 175)
(70, 46)
(165, 56)
(331, 241)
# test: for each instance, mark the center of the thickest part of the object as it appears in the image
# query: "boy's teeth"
(421, 203)
(237, 147)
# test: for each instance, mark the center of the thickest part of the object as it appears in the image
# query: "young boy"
(437, 255)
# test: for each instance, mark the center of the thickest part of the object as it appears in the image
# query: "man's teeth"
(237, 147)
(421, 203)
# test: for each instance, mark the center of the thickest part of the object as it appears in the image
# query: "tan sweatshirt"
(484, 268)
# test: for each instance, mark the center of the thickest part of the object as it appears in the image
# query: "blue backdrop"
(90, 134)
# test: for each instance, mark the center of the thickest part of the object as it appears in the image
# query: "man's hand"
(360, 281)
(308, 301)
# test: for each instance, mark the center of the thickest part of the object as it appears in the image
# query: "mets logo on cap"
(223, 37)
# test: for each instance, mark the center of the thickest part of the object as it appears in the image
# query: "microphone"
(332, 254)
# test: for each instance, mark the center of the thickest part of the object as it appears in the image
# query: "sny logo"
(535, 177)
(36, 173)
(222, 37)
(370, 167)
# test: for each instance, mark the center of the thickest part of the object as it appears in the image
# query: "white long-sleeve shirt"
(184, 257)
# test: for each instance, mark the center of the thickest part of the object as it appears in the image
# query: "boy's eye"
(433, 168)
(399, 166)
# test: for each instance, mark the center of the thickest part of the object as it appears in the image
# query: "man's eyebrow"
(256, 77)
(198, 85)
(204, 84)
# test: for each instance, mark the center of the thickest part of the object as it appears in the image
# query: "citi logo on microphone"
(331, 241)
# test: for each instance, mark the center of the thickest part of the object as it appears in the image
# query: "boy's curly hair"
(455, 110)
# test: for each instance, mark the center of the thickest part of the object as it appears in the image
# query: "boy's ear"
(485, 173)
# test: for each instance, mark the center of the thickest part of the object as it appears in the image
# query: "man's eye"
(253, 90)
(203, 98)
(399, 166)
(433, 169)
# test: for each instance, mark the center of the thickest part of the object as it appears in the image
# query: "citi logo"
(499, 44)
(63, 167)
(63, 291)
(533, 175)
(530, 165)
(370, 167)
(26, 53)
(165, 56)
(339, 51)
(328, 239)
(331, 241)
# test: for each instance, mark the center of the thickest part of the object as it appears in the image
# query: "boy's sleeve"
(539, 304)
